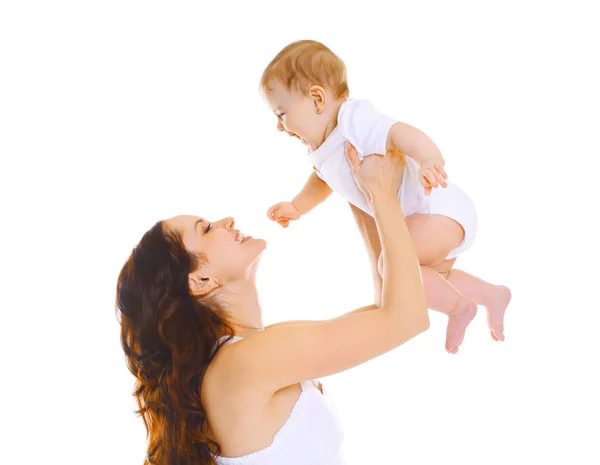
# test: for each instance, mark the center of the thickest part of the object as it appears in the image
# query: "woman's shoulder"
(226, 374)
(228, 389)
(221, 366)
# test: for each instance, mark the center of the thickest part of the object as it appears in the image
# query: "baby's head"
(304, 86)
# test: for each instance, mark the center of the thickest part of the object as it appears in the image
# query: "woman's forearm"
(402, 288)
(368, 230)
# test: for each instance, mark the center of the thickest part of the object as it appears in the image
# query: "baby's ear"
(319, 98)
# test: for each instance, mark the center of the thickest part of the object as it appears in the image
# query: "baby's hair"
(306, 63)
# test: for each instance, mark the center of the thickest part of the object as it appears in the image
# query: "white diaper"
(453, 203)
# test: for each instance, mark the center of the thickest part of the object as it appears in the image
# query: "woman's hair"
(169, 339)
(306, 63)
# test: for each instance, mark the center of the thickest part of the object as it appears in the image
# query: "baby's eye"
(208, 228)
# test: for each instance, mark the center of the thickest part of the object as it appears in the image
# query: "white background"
(116, 114)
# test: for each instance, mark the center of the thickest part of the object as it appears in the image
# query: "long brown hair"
(169, 339)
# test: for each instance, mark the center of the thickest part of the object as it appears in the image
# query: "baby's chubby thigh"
(433, 227)
(434, 236)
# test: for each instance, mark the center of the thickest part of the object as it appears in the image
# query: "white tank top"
(312, 434)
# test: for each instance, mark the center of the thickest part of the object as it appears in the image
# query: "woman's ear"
(318, 97)
(201, 286)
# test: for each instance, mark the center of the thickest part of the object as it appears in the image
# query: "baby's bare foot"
(496, 306)
(458, 321)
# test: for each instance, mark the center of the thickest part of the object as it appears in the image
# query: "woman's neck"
(243, 307)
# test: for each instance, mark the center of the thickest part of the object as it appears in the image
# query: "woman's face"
(229, 254)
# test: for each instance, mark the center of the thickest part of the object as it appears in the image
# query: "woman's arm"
(284, 355)
(368, 231)
(318, 322)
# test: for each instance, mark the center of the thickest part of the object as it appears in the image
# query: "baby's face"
(296, 115)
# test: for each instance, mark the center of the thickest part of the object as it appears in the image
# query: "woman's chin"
(255, 249)
(260, 243)
(254, 243)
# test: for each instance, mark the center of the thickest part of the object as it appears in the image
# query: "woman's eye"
(208, 228)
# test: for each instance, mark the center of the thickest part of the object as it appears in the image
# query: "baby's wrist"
(299, 206)
(435, 158)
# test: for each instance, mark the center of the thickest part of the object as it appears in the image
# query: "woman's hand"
(377, 174)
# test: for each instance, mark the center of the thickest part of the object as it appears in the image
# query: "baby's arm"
(419, 147)
(373, 132)
(412, 142)
(314, 192)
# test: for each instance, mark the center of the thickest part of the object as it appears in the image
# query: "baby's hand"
(432, 174)
(283, 213)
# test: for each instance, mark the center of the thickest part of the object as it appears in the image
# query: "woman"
(214, 385)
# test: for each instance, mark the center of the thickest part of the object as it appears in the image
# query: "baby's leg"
(494, 298)
(434, 237)
(442, 296)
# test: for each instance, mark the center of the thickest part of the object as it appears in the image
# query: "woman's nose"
(228, 222)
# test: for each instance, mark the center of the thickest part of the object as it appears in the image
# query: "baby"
(305, 86)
